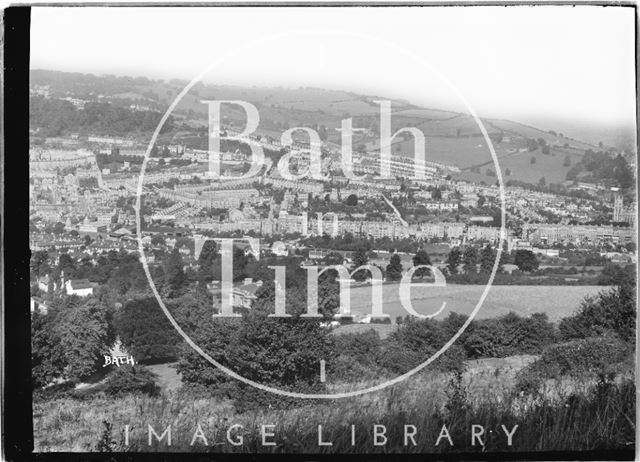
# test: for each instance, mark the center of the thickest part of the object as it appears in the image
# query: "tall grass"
(565, 416)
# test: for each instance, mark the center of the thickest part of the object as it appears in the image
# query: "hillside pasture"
(556, 301)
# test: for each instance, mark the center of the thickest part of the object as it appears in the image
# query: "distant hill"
(525, 153)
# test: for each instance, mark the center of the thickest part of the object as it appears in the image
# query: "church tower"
(618, 208)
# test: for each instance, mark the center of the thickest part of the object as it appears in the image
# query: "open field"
(556, 301)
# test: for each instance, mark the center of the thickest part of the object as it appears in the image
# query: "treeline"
(71, 340)
(349, 242)
(56, 117)
(261, 345)
(603, 167)
(86, 85)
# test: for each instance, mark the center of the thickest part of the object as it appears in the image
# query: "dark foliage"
(578, 359)
(508, 335)
(58, 117)
(394, 268)
(131, 379)
(612, 311)
(145, 331)
(47, 355)
(526, 260)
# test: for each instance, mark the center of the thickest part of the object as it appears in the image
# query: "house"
(120, 233)
(79, 287)
(279, 249)
(37, 303)
(245, 294)
(44, 282)
(92, 228)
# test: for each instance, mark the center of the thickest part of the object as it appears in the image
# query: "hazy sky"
(524, 63)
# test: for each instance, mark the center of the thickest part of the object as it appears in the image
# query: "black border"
(17, 416)
(17, 422)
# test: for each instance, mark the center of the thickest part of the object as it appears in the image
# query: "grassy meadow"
(556, 301)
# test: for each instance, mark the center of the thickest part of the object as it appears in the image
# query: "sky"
(522, 63)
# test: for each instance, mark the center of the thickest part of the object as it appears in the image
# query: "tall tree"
(333, 258)
(84, 336)
(526, 260)
(174, 276)
(47, 356)
(453, 260)
(421, 258)
(39, 262)
(66, 264)
(470, 259)
(487, 259)
(394, 268)
(360, 258)
(208, 256)
(146, 332)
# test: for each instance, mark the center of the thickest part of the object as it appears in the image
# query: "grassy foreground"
(565, 415)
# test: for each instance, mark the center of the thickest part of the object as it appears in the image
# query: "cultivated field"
(556, 301)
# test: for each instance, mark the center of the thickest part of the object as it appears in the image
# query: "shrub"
(613, 274)
(363, 347)
(415, 341)
(577, 358)
(509, 335)
(281, 352)
(56, 391)
(131, 379)
(398, 359)
(610, 311)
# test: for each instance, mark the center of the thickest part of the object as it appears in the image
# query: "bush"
(398, 359)
(509, 335)
(363, 347)
(56, 391)
(131, 379)
(591, 356)
(612, 311)
(281, 352)
(415, 341)
(613, 274)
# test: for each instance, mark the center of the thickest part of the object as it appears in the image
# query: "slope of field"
(451, 138)
(519, 129)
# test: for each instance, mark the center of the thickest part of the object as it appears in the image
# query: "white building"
(79, 287)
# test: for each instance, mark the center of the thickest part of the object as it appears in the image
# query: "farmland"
(452, 138)
(556, 301)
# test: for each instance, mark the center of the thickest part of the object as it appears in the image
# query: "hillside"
(452, 138)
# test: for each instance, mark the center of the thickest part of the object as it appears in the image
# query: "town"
(83, 192)
(306, 251)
